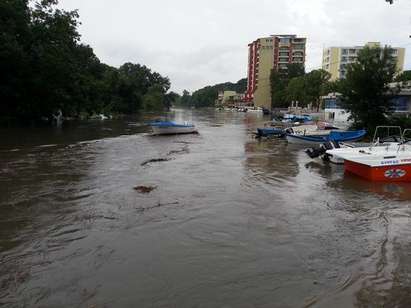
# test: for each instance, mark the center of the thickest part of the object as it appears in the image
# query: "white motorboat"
(389, 162)
(172, 128)
(254, 109)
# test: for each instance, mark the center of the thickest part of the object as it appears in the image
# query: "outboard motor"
(321, 150)
(315, 152)
(330, 145)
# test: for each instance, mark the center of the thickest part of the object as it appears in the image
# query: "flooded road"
(232, 221)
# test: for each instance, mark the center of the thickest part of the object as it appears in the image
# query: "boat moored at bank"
(318, 137)
(389, 163)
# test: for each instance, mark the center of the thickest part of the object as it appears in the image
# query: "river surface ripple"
(233, 221)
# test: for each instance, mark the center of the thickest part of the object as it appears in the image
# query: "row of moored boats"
(302, 130)
(384, 159)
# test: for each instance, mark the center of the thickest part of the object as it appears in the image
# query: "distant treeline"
(45, 69)
(205, 97)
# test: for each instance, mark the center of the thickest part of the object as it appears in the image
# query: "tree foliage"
(44, 67)
(404, 76)
(205, 97)
(294, 84)
(364, 91)
(279, 80)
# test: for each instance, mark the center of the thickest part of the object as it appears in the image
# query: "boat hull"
(165, 130)
(390, 173)
(270, 131)
(315, 139)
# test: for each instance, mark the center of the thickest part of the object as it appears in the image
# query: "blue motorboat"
(313, 139)
(270, 132)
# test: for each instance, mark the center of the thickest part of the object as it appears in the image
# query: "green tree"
(279, 80)
(331, 86)
(364, 91)
(404, 76)
(316, 82)
(308, 88)
(45, 68)
(296, 90)
(153, 100)
(170, 99)
(185, 100)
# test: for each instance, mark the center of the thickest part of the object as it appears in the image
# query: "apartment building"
(265, 54)
(336, 59)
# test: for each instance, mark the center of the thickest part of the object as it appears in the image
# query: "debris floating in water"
(145, 189)
(154, 160)
(183, 150)
(142, 209)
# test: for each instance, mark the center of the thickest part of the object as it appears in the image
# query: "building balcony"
(283, 60)
(284, 44)
(298, 40)
(298, 47)
(298, 54)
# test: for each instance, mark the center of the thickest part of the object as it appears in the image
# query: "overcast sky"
(202, 42)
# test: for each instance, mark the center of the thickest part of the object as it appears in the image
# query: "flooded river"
(232, 221)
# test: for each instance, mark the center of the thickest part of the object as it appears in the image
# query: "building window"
(331, 103)
(344, 51)
(284, 40)
(298, 46)
(400, 104)
(298, 40)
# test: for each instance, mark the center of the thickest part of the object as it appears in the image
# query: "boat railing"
(376, 140)
(404, 133)
(404, 137)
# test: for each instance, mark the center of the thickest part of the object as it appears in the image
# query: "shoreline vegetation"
(48, 73)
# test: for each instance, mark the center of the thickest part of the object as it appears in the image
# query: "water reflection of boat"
(389, 190)
(172, 128)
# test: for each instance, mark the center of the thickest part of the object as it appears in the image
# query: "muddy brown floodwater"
(224, 221)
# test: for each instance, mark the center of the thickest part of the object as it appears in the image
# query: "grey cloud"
(196, 43)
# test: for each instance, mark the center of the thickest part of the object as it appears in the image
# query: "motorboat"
(390, 162)
(254, 109)
(292, 118)
(320, 150)
(270, 132)
(326, 125)
(172, 128)
(322, 136)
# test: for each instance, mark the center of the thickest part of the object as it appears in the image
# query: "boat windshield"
(387, 134)
(406, 135)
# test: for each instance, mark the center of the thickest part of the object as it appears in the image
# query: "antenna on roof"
(390, 1)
